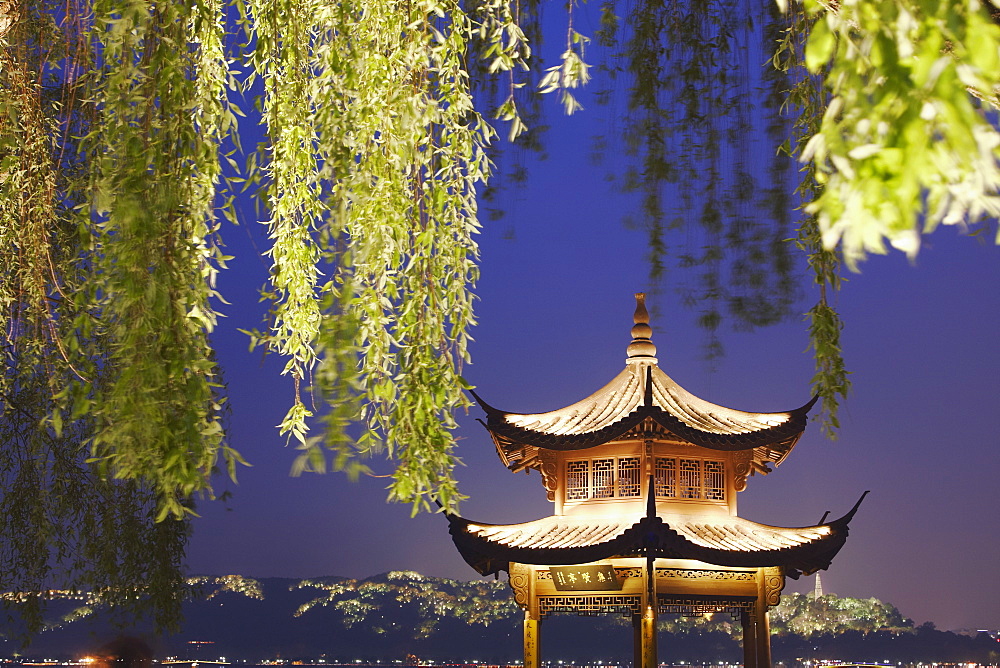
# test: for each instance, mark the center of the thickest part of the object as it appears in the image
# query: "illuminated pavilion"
(644, 477)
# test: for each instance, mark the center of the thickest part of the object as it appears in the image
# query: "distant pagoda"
(644, 477)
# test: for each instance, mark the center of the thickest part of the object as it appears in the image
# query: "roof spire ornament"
(641, 349)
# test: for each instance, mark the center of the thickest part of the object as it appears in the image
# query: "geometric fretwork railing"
(629, 605)
(592, 604)
(693, 605)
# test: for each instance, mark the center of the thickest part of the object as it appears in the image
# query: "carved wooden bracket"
(741, 468)
(549, 470)
(774, 582)
(519, 578)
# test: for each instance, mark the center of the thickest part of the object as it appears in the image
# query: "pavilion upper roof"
(642, 391)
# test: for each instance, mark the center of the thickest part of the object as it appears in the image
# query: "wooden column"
(770, 582)
(532, 650)
(748, 621)
(647, 656)
(763, 644)
(636, 639)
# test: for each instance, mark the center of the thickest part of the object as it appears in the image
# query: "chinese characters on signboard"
(593, 577)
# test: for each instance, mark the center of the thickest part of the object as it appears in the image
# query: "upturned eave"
(643, 393)
(731, 542)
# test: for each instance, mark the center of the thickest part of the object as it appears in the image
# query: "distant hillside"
(402, 614)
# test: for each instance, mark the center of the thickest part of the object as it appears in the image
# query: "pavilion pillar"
(770, 582)
(647, 657)
(748, 622)
(756, 625)
(532, 650)
(636, 639)
(763, 640)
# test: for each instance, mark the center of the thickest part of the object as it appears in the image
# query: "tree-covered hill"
(400, 614)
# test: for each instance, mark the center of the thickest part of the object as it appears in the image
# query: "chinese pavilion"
(644, 477)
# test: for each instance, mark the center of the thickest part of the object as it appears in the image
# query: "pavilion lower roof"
(643, 393)
(722, 541)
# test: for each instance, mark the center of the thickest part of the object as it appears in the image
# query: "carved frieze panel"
(621, 573)
(704, 574)
(628, 573)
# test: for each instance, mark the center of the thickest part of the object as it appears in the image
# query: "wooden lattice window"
(628, 478)
(714, 480)
(578, 480)
(688, 478)
(665, 477)
(603, 478)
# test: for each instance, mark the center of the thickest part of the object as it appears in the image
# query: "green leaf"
(820, 47)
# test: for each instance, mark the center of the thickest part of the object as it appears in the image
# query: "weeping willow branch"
(63, 524)
(376, 154)
(27, 201)
(702, 174)
(807, 98)
(156, 150)
(897, 143)
(903, 147)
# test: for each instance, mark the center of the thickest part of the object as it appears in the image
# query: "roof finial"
(641, 348)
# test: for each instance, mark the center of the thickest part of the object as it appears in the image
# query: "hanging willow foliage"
(807, 97)
(710, 88)
(909, 139)
(63, 525)
(154, 151)
(897, 134)
(375, 154)
(891, 113)
(693, 76)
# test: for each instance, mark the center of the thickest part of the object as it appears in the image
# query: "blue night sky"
(920, 428)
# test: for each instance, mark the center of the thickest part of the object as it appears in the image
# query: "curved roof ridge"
(677, 519)
(625, 392)
(701, 411)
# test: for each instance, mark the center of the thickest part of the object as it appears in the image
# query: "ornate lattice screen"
(603, 478)
(689, 478)
(621, 478)
(665, 477)
(578, 480)
(628, 477)
(714, 481)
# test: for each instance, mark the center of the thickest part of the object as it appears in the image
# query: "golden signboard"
(592, 577)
